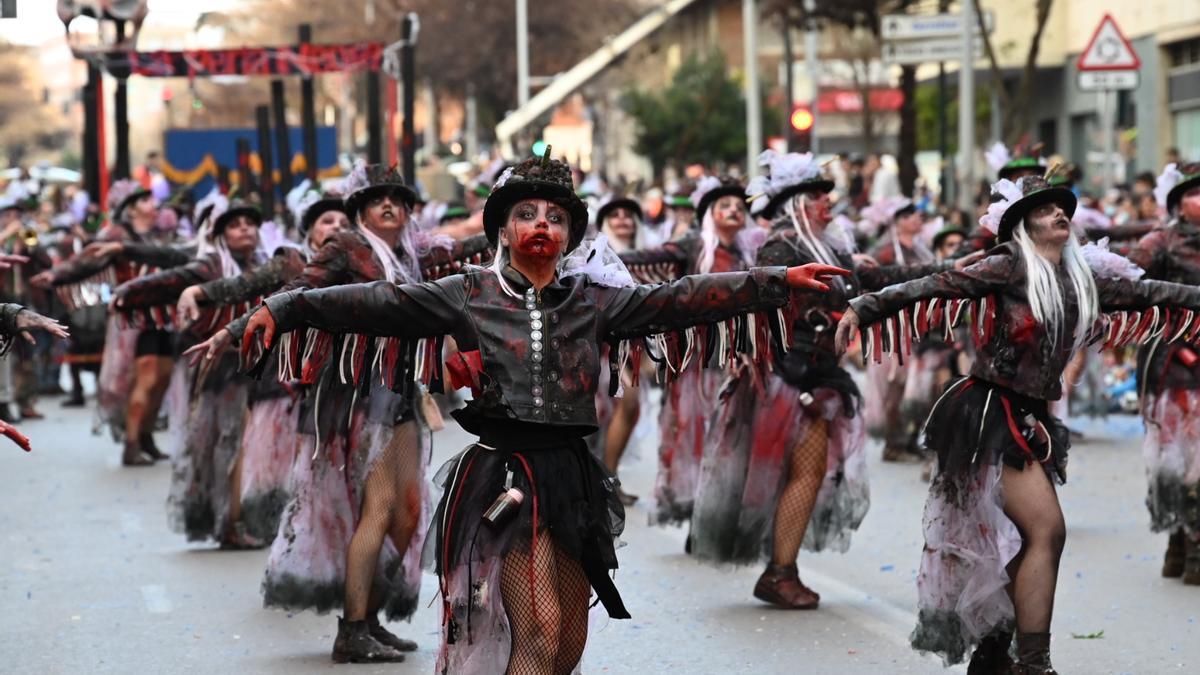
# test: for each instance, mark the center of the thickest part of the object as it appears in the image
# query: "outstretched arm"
(704, 298)
(981, 279)
(161, 288)
(381, 309)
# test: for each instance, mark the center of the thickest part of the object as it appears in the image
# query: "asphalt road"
(92, 580)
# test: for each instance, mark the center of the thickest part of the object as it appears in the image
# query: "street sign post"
(918, 26)
(927, 51)
(1108, 64)
(1104, 80)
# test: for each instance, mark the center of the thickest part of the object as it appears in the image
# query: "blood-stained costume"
(999, 415)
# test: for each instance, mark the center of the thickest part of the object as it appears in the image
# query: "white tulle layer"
(969, 541)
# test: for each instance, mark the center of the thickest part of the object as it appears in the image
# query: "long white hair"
(210, 245)
(709, 242)
(814, 244)
(1045, 294)
(395, 270)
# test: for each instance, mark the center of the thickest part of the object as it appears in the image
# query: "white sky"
(37, 20)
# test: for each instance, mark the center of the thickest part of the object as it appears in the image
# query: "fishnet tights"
(1032, 504)
(546, 600)
(806, 471)
(391, 506)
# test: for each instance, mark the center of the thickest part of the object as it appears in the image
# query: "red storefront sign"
(851, 100)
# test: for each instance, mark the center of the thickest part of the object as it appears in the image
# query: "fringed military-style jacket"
(1013, 349)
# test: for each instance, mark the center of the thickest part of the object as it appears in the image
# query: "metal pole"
(472, 144)
(522, 52)
(308, 112)
(408, 75)
(91, 135)
(1107, 131)
(789, 83)
(245, 180)
(753, 113)
(966, 112)
(121, 117)
(283, 144)
(943, 131)
(374, 144)
(995, 117)
(266, 181)
(813, 60)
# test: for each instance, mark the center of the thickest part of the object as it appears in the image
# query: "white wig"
(1045, 294)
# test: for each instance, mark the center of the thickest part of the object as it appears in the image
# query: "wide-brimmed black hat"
(1191, 179)
(378, 180)
(318, 209)
(122, 194)
(535, 178)
(234, 211)
(817, 186)
(946, 232)
(1037, 191)
(611, 205)
(728, 187)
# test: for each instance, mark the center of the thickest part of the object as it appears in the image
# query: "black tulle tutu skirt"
(569, 497)
(975, 423)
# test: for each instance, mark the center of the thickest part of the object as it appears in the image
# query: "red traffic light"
(802, 119)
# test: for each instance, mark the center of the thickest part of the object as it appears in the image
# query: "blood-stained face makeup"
(537, 228)
(385, 212)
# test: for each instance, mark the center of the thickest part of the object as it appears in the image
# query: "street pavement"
(92, 579)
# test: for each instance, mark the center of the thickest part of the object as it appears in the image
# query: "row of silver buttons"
(535, 336)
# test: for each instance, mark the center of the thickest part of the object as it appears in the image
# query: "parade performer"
(306, 569)
(268, 447)
(784, 460)
(1170, 383)
(994, 531)
(136, 365)
(723, 244)
(515, 570)
(17, 320)
(352, 532)
(203, 501)
(620, 221)
(885, 411)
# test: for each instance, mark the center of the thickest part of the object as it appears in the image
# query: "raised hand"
(205, 354)
(16, 436)
(189, 304)
(7, 260)
(814, 276)
(43, 279)
(260, 320)
(28, 320)
(102, 249)
(846, 330)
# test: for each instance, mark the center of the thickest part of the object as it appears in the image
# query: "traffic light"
(802, 125)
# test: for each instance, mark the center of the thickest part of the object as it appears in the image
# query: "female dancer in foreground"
(994, 532)
(528, 518)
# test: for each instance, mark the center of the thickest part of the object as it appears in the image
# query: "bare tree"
(1017, 110)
